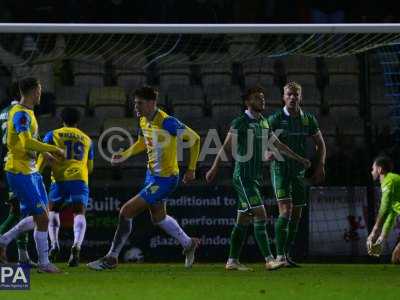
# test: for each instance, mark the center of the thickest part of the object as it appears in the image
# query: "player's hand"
(306, 163)
(60, 154)
(376, 248)
(50, 159)
(189, 175)
(117, 159)
(319, 174)
(269, 156)
(210, 175)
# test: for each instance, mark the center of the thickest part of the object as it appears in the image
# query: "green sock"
(261, 236)
(281, 231)
(291, 236)
(238, 236)
(8, 223)
(22, 241)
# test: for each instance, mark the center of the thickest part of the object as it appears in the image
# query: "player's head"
(70, 116)
(381, 166)
(292, 95)
(145, 100)
(255, 99)
(31, 88)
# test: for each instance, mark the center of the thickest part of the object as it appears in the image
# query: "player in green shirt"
(14, 212)
(287, 176)
(389, 208)
(247, 141)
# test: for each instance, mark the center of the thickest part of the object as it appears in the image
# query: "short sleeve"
(48, 138)
(272, 122)
(314, 127)
(21, 121)
(91, 151)
(173, 126)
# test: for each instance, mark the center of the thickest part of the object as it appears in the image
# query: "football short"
(289, 186)
(69, 192)
(248, 192)
(157, 188)
(30, 192)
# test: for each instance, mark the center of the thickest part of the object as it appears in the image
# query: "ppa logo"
(14, 277)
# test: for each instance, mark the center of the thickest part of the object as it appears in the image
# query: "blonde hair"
(292, 85)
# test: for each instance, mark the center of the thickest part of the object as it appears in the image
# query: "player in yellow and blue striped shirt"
(159, 135)
(22, 175)
(69, 180)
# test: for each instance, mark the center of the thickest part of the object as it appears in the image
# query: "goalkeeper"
(389, 208)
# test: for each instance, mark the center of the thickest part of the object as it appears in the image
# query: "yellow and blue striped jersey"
(19, 159)
(160, 137)
(79, 151)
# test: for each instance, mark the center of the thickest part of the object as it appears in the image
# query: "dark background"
(199, 11)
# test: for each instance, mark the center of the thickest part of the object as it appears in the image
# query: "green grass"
(211, 281)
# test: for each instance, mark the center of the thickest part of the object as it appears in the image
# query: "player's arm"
(90, 158)
(21, 122)
(138, 147)
(319, 173)
(289, 152)
(189, 135)
(226, 148)
(46, 158)
(382, 225)
(175, 128)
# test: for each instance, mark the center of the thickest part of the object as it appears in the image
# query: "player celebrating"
(288, 176)
(22, 176)
(14, 214)
(69, 180)
(247, 177)
(158, 135)
(389, 208)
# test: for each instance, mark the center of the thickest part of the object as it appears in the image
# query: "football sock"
(8, 223)
(291, 236)
(238, 237)
(121, 235)
(79, 230)
(54, 227)
(261, 236)
(22, 226)
(42, 247)
(171, 226)
(281, 231)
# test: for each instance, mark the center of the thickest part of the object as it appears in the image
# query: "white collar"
(14, 102)
(286, 112)
(251, 116)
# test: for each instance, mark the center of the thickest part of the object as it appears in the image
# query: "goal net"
(202, 71)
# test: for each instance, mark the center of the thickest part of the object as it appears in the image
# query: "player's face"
(375, 172)
(143, 107)
(257, 102)
(292, 98)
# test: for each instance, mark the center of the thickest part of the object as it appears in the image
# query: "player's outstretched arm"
(384, 223)
(28, 142)
(289, 152)
(135, 149)
(193, 138)
(226, 148)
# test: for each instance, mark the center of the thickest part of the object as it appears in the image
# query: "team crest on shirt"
(154, 189)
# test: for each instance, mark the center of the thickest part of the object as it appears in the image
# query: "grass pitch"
(211, 281)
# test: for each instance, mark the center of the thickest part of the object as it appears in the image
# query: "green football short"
(289, 186)
(9, 197)
(248, 192)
